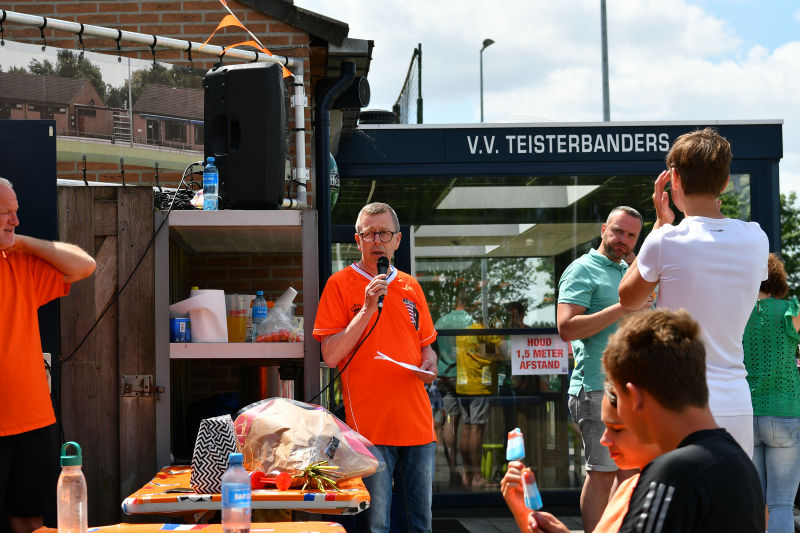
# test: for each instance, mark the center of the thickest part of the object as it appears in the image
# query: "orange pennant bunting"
(231, 20)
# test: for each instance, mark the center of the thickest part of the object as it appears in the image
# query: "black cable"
(191, 63)
(55, 397)
(41, 31)
(153, 48)
(333, 380)
(119, 47)
(80, 39)
(135, 268)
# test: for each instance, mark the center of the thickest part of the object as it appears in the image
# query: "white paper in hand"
(404, 365)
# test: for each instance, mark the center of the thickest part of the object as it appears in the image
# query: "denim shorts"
(585, 410)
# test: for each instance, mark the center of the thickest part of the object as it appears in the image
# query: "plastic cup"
(236, 309)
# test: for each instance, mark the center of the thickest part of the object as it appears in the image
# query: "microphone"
(383, 268)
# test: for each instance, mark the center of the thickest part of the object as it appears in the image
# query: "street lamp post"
(486, 43)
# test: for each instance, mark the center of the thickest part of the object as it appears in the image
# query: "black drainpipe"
(322, 150)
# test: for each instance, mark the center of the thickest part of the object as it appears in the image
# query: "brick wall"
(192, 20)
(193, 382)
(247, 273)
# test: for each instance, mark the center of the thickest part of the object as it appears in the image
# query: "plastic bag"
(279, 327)
(281, 435)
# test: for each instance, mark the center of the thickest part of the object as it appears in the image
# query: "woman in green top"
(770, 347)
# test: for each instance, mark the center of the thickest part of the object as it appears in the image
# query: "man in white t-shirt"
(710, 265)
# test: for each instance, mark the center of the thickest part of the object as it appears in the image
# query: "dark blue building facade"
(492, 215)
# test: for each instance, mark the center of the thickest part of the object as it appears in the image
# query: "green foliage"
(790, 238)
(69, 65)
(489, 283)
(157, 74)
(735, 203)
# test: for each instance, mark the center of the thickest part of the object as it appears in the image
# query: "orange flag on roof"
(232, 20)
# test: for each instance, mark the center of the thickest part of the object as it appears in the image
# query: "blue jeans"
(414, 465)
(777, 459)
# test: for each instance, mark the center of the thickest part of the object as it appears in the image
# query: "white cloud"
(668, 60)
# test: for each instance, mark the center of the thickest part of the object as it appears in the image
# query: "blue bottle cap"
(259, 293)
(210, 159)
(235, 458)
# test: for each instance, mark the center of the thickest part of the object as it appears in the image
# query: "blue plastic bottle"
(236, 496)
(259, 313)
(210, 186)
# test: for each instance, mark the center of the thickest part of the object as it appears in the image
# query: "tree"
(70, 65)
(790, 239)
(490, 282)
(177, 76)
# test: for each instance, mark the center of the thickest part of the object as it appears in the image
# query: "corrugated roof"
(170, 101)
(41, 89)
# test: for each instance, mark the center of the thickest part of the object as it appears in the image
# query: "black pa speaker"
(245, 131)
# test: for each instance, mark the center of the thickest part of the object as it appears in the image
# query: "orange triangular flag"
(231, 20)
(228, 20)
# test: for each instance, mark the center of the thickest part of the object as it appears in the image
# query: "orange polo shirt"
(383, 401)
(26, 283)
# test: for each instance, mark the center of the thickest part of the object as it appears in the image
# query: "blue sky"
(769, 23)
(668, 60)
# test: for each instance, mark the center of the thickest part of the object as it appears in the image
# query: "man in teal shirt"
(588, 311)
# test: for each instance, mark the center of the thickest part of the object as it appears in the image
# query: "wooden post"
(117, 432)
(137, 455)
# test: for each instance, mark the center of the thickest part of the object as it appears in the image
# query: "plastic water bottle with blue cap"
(210, 186)
(73, 515)
(236, 496)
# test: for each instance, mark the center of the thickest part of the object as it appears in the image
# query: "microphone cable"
(334, 378)
(383, 268)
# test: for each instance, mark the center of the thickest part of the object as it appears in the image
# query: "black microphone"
(383, 268)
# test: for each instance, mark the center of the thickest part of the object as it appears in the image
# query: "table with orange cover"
(255, 527)
(169, 493)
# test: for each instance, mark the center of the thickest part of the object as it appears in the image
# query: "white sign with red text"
(538, 354)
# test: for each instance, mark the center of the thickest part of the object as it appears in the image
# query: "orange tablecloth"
(167, 493)
(256, 527)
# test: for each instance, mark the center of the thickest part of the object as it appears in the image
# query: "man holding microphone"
(366, 312)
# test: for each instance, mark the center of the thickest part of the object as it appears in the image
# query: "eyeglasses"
(385, 236)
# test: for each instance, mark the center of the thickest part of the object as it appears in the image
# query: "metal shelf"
(231, 231)
(236, 350)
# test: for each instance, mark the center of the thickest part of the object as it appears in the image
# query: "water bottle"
(259, 313)
(235, 497)
(73, 516)
(210, 186)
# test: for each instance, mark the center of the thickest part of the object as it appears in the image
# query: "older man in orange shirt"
(32, 272)
(385, 402)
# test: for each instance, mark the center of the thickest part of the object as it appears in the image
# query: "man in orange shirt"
(384, 401)
(32, 272)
